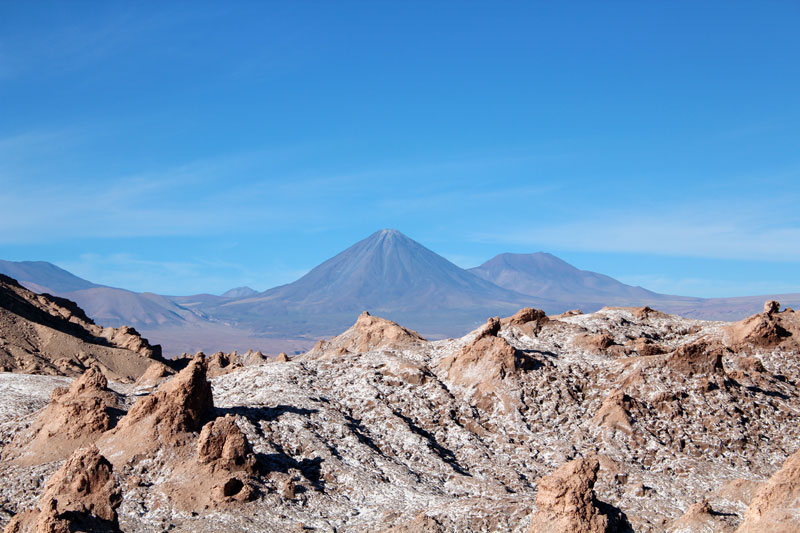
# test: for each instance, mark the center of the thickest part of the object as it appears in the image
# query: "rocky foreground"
(626, 419)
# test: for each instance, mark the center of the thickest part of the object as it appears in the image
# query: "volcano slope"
(626, 419)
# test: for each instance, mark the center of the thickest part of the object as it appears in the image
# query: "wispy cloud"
(187, 199)
(222, 194)
(763, 230)
(176, 277)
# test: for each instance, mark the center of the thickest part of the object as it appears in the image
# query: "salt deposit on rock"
(455, 435)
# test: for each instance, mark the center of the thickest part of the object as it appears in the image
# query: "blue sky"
(182, 148)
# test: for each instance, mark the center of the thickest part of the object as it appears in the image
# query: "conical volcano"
(388, 274)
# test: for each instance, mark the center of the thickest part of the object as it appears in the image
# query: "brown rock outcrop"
(565, 314)
(646, 312)
(528, 320)
(128, 338)
(221, 471)
(75, 417)
(776, 505)
(253, 358)
(154, 375)
(769, 329)
(598, 343)
(43, 334)
(614, 413)
(699, 517)
(482, 364)
(566, 500)
(223, 446)
(645, 346)
(771, 307)
(368, 333)
(698, 357)
(179, 406)
(227, 458)
(81, 496)
(221, 363)
(421, 523)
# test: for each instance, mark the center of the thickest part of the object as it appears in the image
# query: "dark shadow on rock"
(360, 432)
(526, 361)
(617, 520)
(770, 393)
(541, 353)
(444, 454)
(282, 462)
(81, 522)
(266, 414)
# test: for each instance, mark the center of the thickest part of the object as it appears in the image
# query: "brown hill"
(368, 333)
(43, 334)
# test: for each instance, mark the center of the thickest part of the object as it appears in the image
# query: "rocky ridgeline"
(44, 334)
(627, 419)
(368, 333)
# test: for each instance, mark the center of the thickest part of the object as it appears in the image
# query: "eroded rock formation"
(180, 406)
(226, 457)
(455, 435)
(75, 417)
(769, 329)
(776, 506)
(484, 363)
(81, 496)
(566, 502)
(368, 333)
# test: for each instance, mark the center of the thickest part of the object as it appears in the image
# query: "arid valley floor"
(625, 419)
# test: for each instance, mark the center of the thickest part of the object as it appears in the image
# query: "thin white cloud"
(180, 277)
(758, 231)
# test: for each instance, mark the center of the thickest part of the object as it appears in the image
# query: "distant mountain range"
(109, 306)
(547, 276)
(387, 274)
